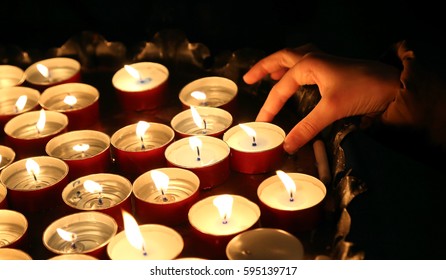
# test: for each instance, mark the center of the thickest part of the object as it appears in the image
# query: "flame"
(250, 131)
(195, 143)
(92, 186)
(133, 72)
(81, 147)
(141, 129)
(66, 235)
(161, 180)
(1, 158)
(197, 118)
(288, 182)
(70, 100)
(224, 205)
(32, 167)
(41, 122)
(43, 70)
(21, 102)
(132, 232)
(199, 95)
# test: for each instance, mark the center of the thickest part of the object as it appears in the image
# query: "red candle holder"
(141, 86)
(257, 150)
(85, 151)
(164, 195)
(208, 158)
(103, 192)
(53, 71)
(295, 213)
(11, 76)
(135, 154)
(14, 229)
(37, 188)
(80, 102)
(214, 231)
(201, 121)
(26, 139)
(214, 91)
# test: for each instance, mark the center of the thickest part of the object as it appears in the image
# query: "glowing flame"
(199, 95)
(224, 205)
(195, 142)
(249, 130)
(288, 182)
(141, 128)
(70, 100)
(32, 167)
(81, 147)
(1, 158)
(92, 186)
(66, 235)
(133, 233)
(21, 102)
(43, 70)
(133, 72)
(41, 122)
(197, 118)
(161, 180)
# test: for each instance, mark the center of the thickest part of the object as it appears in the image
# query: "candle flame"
(288, 182)
(66, 235)
(197, 118)
(141, 129)
(250, 131)
(224, 205)
(43, 70)
(1, 158)
(199, 95)
(133, 72)
(133, 233)
(161, 180)
(195, 145)
(92, 186)
(70, 100)
(81, 147)
(21, 102)
(32, 167)
(41, 122)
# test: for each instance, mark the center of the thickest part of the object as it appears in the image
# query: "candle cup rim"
(9, 152)
(57, 90)
(18, 216)
(16, 91)
(18, 70)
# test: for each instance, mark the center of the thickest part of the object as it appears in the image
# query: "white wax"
(309, 192)
(152, 75)
(162, 243)
(205, 217)
(268, 136)
(213, 150)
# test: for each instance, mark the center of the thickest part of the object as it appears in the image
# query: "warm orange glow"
(43, 70)
(133, 72)
(132, 232)
(249, 130)
(66, 235)
(197, 118)
(224, 205)
(81, 147)
(92, 186)
(21, 102)
(141, 128)
(40, 125)
(288, 182)
(199, 95)
(161, 180)
(32, 167)
(70, 100)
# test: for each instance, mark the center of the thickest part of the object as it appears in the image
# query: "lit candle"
(209, 91)
(11, 76)
(145, 242)
(265, 244)
(291, 201)
(217, 219)
(53, 71)
(206, 156)
(256, 147)
(166, 193)
(13, 229)
(17, 100)
(85, 151)
(104, 192)
(28, 133)
(201, 121)
(140, 147)
(13, 254)
(35, 183)
(80, 102)
(141, 86)
(7, 156)
(86, 232)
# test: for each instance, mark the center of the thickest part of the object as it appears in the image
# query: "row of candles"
(62, 164)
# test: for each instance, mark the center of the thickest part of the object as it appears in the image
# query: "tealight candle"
(3, 194)
(17, 100)
(265, 244)
(35, 183)
(73, 257)
(85, 151)
(141, 86)
(165, 193)
(209, 91)
(201, 121)
(256, 147)
(80, 102)
(145, 242)
(53, 71)
(13, 229)
(291, 201)
(206, 156)
(14, 254)
(28, 133)
(217, 219)
(11, 76)
(140, 147)
(104, 192)
(7, 156)
(86, 232)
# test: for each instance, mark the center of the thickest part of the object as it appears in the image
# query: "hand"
(347, 86)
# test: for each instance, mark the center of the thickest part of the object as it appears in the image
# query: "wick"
(225, 221)
(38, 130)
(164, 196)
(16, 109)
(144, 252)
(142, 143)
(291, 196)
(73, 245)
(205, 126)
(198, 154)
(100, 202)
(34, 176)
(254, 141)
